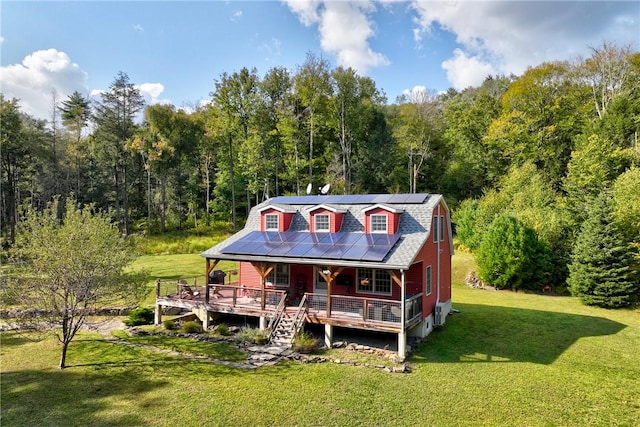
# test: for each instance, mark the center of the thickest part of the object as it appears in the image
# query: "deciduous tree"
(77, 265)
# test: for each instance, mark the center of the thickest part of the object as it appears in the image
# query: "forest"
(541, 171)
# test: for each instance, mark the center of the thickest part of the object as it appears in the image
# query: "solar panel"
(416, 198)
(339, 246)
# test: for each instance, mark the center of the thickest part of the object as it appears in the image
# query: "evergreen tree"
(511, 256)
(600, 273)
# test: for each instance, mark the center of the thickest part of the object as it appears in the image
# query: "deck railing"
(366, 308)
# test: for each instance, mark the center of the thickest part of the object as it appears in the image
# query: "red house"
(377, 261)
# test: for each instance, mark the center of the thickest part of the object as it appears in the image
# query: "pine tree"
(600, 273)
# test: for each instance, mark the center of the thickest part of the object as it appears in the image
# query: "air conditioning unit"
(439, 316)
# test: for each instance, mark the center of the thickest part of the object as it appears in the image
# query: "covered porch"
(268, 302)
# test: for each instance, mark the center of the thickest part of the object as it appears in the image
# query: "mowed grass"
(506, 359)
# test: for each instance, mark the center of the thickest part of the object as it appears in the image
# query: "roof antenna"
(325, 189)
(309, 188)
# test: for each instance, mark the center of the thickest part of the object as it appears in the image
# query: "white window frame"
(442, 228)
(315, 222)
(428, 280)
(270, 217)
(376, 278)
(374, 225)
(280, 276)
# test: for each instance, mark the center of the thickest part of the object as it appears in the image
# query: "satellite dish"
(325, 189)
(309, 187)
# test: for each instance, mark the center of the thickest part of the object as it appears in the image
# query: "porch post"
(157, 319)
(208, 269)
(402, 336)
(328, 335)
(329, 278)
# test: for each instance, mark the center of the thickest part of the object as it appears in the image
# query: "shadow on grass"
(105, 384)
(36, 397)
(481, 333)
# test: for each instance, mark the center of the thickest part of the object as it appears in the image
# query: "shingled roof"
(414, 227)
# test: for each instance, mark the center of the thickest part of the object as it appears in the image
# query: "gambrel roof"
(416, 211)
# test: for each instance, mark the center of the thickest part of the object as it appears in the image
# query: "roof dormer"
(276, 217)
(381, 218)
(325, 218)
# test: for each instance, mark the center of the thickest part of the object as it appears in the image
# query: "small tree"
(600, 273)
(510, 255)
(78, 264)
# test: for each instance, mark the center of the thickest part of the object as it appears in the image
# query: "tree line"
(525, 157)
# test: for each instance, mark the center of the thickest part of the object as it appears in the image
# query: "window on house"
(438, 228)
(372, 281)
(271, 222)
(379, 224)
(279, 276)
(320, 285)
(321, 222)
(428, 280)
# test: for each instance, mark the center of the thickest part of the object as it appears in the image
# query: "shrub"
(140, 316)
(170, 325)
(510, 256)
(221, 329)
(304, 342)
(253, 336)
(191, 327)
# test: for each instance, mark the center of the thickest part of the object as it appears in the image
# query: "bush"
(140, 316)
(253, 336)
(510, 256)
(191, 327)
(304, 342)
(221, 329)
(170, 325)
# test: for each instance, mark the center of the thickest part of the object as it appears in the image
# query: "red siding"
(303, 275)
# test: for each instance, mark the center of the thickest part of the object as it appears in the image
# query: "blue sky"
(175, 50)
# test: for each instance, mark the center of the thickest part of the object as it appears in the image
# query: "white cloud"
(345, 30)
(271, 49)
(40, 73)
(151, 93)
(235, 16)
(507, 37)
(464, 71)
(1, 39)
(138, 28)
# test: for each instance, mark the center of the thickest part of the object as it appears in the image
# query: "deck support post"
(157, 318)
(402, 344)
(263, 323)
(328, 335)
(205, 319)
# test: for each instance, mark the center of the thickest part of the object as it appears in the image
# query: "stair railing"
(274, 322)
(301, 314)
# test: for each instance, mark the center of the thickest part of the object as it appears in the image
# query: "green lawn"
(506, 359)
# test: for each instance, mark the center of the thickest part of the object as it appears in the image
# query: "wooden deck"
(345, 311)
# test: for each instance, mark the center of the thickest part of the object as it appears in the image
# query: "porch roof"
(413, 230)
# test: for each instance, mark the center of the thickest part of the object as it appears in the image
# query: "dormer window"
(379, 223)
(325, 218)
(381, 219)
(272, 222)
(322, 223)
